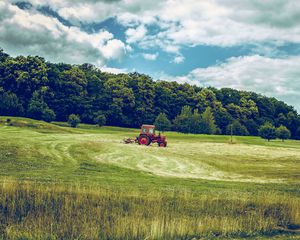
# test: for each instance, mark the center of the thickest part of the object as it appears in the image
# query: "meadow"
(63, 183)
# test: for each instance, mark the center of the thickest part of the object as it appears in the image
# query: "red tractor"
(147, 136)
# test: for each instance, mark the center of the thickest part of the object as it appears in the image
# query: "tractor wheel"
(162, 144)
(144, 140)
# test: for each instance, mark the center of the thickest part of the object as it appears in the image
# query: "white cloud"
(113, 70)
(30, 32)
(190, 22)
(150, 57)
(85, 12)
(113, 49)
(178, 59)
(136, 34)
(273, 77)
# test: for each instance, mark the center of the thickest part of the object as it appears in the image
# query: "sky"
(251, 45)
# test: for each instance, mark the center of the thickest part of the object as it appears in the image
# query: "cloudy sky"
(250, 44)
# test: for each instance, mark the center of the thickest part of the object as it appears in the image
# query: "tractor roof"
(148, 126)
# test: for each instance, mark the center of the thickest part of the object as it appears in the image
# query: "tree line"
(35, 88)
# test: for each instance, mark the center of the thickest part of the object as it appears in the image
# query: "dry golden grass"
(35, 211)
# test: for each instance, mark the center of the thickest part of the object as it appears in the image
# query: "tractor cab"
(148, 129)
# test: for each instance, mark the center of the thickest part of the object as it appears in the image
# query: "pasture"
(84, 183)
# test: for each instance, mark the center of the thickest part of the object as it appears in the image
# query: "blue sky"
(250, 45)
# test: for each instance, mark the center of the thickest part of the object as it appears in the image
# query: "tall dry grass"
(36, 211)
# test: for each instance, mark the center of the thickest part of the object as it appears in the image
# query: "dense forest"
(35, 88)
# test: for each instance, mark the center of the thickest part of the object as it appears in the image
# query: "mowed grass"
(84, 183)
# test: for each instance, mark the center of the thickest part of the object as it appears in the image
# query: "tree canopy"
(283, 133)
(33, 87)
(267, 131)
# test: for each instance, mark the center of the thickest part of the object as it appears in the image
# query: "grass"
(63, 183)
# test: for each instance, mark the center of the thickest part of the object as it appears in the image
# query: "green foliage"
(74, 120)
(195, 123)
(162, 123)
(10, 104)
(237, 129)
(251, 126)
(128, 99)
(38, 109)
(205, 98)
(297, 134)
(208, 125)
(182, 122)
(48, 115)
(283, 133)
(100, 120)
(3, 55)
(267, 131)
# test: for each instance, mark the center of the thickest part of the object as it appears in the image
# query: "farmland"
(64, 183)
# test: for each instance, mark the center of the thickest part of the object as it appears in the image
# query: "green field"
(84, 183)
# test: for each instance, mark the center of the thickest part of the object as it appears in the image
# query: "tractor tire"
(162, 144)
(144, 140)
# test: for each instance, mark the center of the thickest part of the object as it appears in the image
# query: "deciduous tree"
(267, 131)
(283, 133)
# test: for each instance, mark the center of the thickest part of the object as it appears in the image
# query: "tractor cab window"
(144, 130)
(150, 130)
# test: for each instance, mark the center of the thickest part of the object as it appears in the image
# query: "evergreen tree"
(283, 133)
(208, 125)
(182, 122)
(74, 120)
(162, 123)
(267, 131)
(195, 122)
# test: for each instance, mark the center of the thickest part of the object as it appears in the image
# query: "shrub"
(74, 120)
(48, 115)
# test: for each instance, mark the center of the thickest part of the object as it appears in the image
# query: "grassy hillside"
(84, 183)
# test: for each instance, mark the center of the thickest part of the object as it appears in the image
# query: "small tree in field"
(267, 131)
(283, 133)
(100, 120)
(74, 120)
(182, 122)
(208, 125)
(162, 123)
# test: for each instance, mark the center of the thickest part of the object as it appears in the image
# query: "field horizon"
(84, 183)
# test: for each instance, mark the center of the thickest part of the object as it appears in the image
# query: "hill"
(32, 87)
(63, 183)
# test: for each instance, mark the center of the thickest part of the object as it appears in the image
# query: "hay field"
(83, 183)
